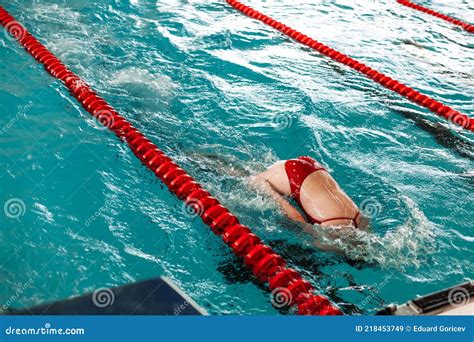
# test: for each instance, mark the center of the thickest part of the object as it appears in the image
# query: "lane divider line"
(413, 95)
(466, 26)
(286, 284)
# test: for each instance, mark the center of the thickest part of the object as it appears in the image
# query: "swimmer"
(317, 194)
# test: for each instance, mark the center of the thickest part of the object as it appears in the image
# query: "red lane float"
(266, 265)
(465, 26)
(389, 83)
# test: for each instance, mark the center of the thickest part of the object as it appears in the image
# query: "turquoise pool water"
(226, 96)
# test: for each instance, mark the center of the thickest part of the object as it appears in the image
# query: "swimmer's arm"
(318, 239)
(344, 235)
(287, 208)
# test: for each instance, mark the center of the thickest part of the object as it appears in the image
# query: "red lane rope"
(287, 286)
(389, 83)
(465, 26)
